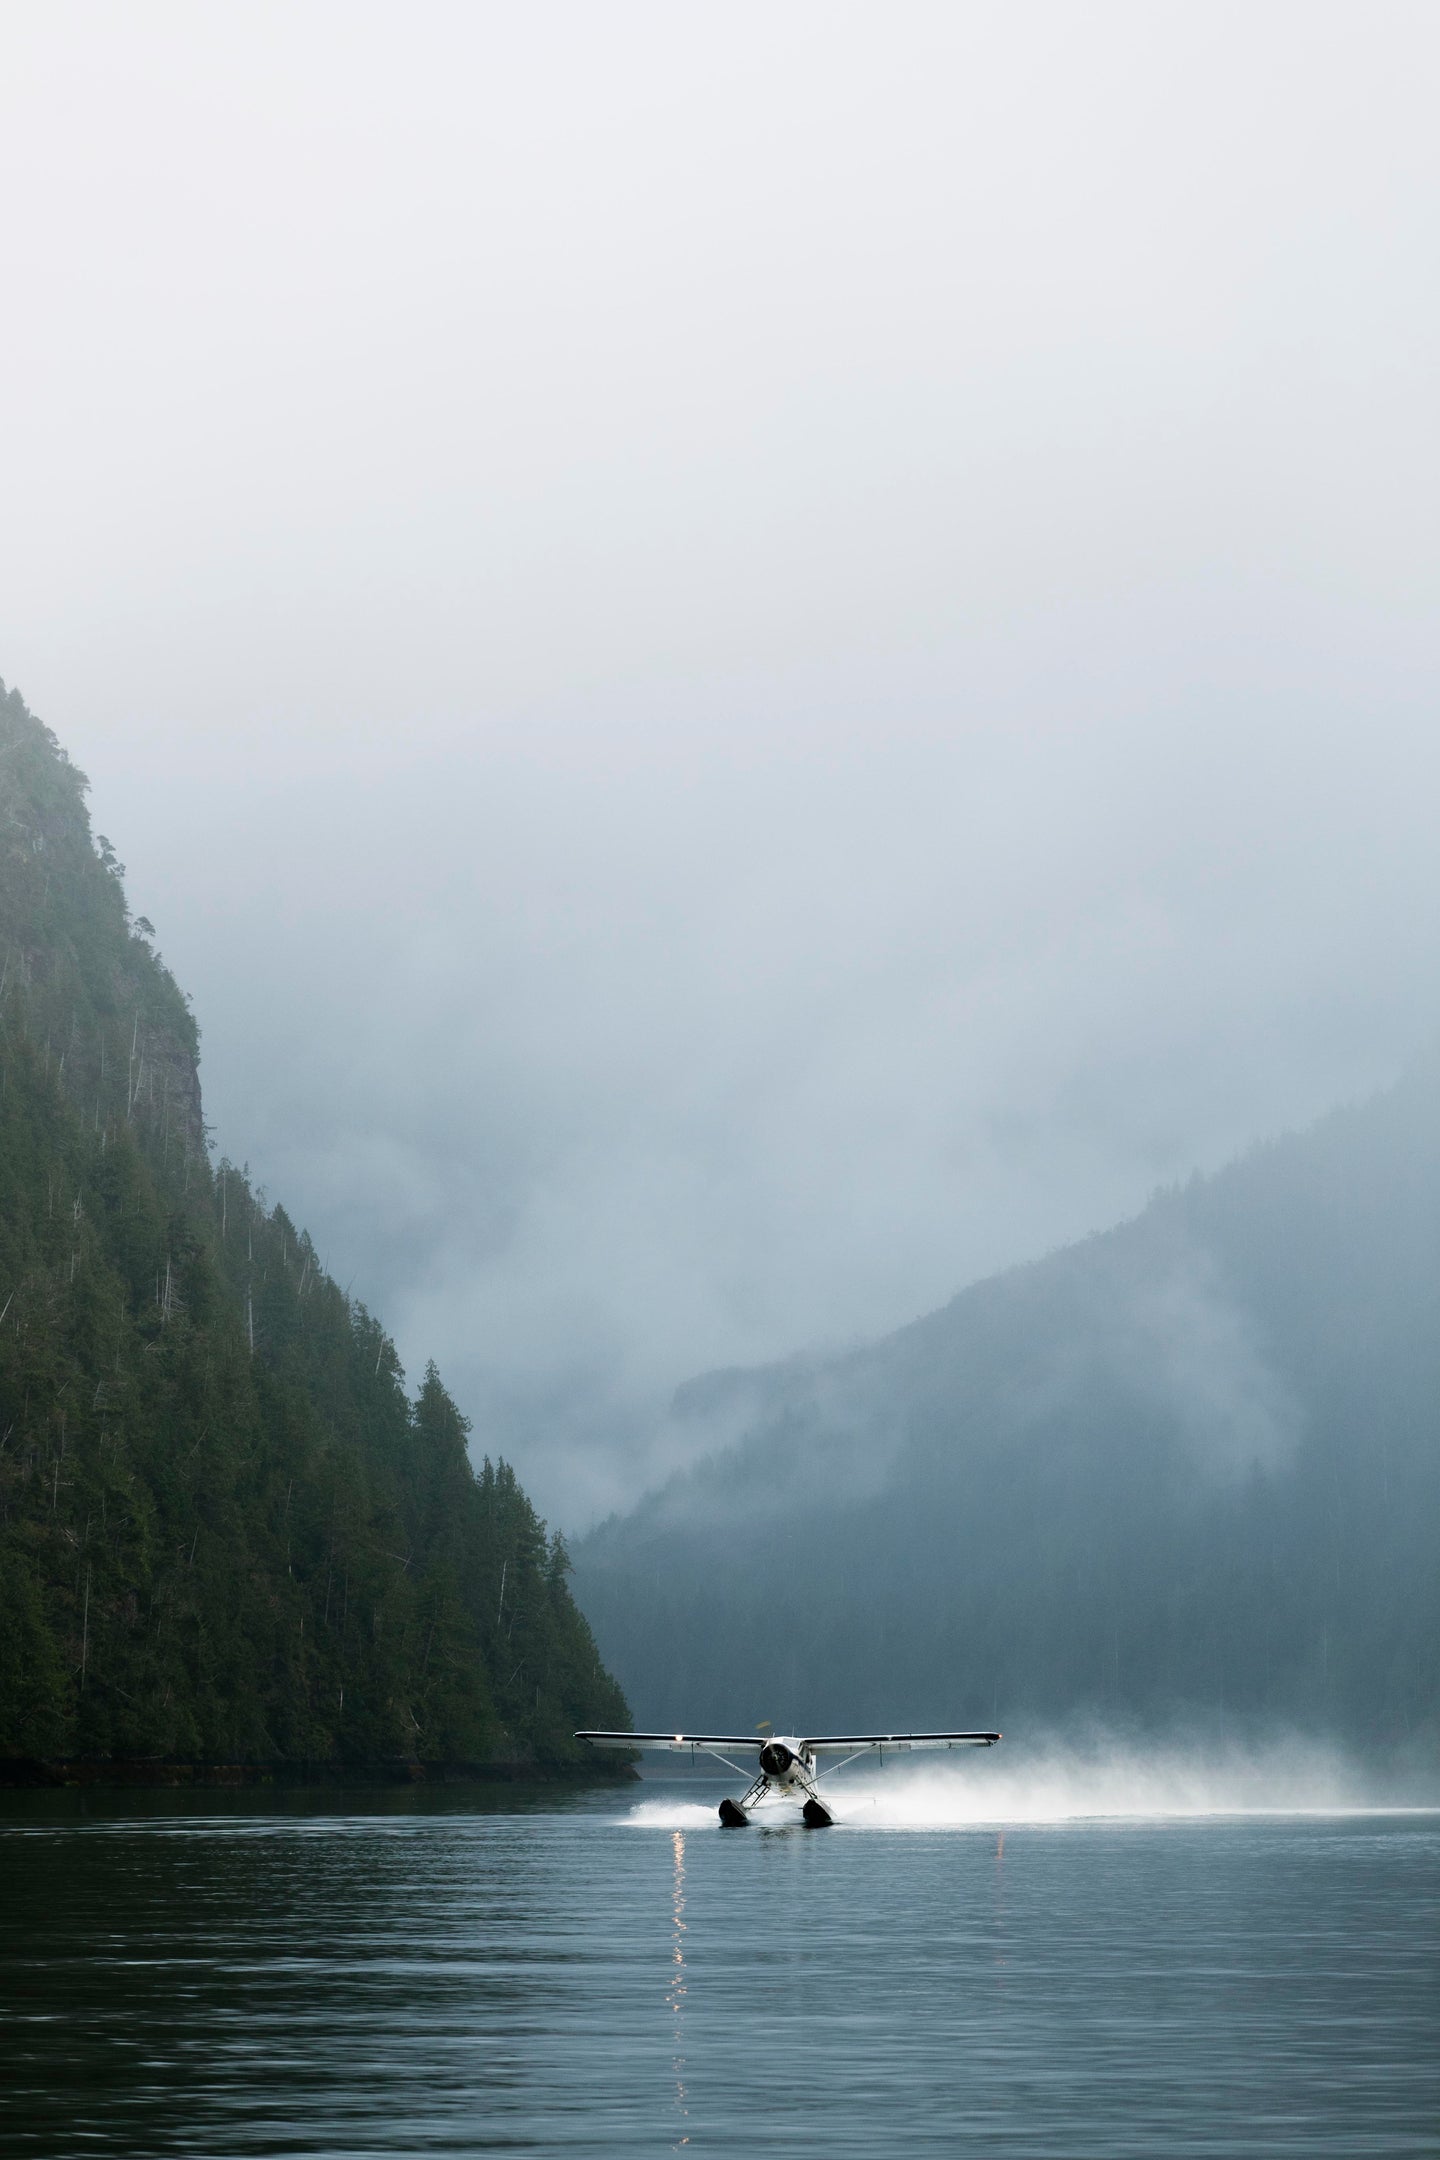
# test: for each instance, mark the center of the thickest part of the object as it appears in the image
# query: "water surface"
(608, 1972)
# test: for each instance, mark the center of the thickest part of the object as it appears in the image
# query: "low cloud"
(751, 670)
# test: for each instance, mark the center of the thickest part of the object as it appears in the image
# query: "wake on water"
(1060, 1783)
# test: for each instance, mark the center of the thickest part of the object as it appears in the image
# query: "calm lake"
(609, 1972)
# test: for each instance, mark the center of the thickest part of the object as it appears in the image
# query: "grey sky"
(753, 660)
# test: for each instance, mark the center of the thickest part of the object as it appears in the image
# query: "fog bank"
(752, 666)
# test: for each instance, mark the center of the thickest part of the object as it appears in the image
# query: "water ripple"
(592, 1978)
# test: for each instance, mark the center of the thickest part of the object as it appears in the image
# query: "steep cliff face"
(1191, 1466)
(226, 1532)
(81, 981)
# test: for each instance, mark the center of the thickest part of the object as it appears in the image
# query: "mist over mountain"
(758, 664)
(1186, 1468)
(227, 1532)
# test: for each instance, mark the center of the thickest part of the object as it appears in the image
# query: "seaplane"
(789, 1767)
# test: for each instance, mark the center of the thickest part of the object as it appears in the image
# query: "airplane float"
(789, 1768)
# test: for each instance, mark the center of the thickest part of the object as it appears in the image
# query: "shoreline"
(94, 1773)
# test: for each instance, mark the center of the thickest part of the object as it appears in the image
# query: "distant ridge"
(227, 1535)
(1189, 1468)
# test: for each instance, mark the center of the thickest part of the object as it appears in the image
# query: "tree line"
(227, 1531)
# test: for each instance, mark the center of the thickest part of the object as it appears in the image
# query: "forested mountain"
(1191, 1466)
(226, 1532)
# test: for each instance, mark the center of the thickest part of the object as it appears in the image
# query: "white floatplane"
(789, 1767)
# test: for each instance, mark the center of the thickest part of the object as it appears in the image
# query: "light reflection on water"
(676, 1997)
(414, 1974)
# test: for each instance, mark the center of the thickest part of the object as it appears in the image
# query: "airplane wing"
(679, 1740)
(902, 1740)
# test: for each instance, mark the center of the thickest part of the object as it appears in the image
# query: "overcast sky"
(754, 659)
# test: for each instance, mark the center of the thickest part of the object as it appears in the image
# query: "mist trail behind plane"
(1051, 1781)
